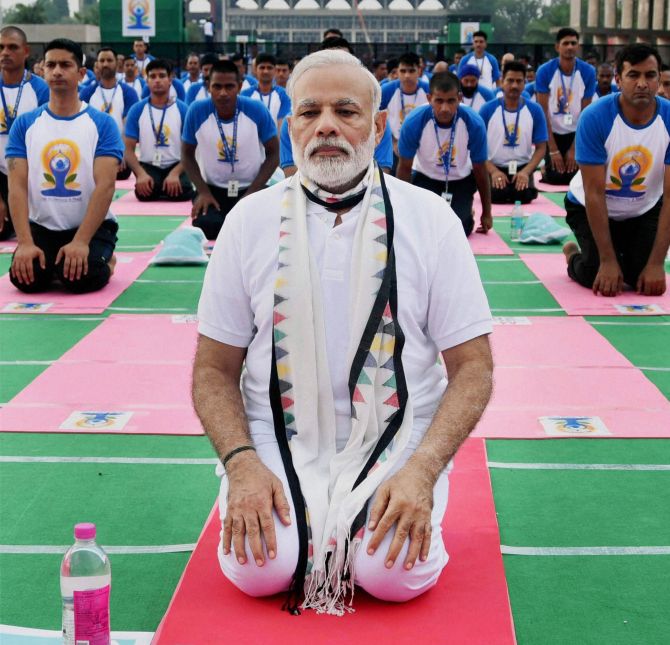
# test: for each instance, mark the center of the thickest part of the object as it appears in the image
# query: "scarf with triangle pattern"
(331, 490)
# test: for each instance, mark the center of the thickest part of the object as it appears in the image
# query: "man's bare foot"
(569, 249)
(112, 265)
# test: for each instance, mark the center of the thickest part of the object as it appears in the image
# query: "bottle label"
(91, 616)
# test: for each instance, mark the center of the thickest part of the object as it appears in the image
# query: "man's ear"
(380, 125)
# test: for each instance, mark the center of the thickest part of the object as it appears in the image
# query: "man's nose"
(326, 124)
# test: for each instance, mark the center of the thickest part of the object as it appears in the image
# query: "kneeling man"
(338, 289)
(618, 205)
(62, 160)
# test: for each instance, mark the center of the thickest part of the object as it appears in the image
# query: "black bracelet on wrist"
(232, 453)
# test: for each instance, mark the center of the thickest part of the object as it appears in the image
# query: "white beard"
(332, 173)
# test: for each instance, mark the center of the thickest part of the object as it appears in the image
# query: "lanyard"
(447, 155)
(565, 99)
(269, 99)
(402, 103)
(9, 118)
(107, 105)
(230, 150)
(157, 133)
(481, 69)
(511, 140)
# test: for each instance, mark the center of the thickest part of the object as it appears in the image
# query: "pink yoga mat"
(579, 301)
(553, 342)
(133, 372)
(130, 205)
(548, 188)
(489, 244)
(126, 184)
(541, 204)
(469, 605)
(128, 267)
(624, 400)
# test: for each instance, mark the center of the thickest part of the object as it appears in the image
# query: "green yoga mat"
(142, 586)
(582, 508)
(138, 233)
(131, 503)
(617, 600)
(101, 445)
(160, 296)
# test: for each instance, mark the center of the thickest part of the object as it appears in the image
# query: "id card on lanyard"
(159, 137)
(564, 101)
(446, 157)
(10, 117)
(230, 150)
(107, 105)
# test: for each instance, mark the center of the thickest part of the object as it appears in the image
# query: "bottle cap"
(84, 531)
(517, 203)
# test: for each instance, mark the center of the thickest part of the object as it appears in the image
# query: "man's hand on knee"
(406, 501)
(253, 491)
(651, 281)
(609, 279)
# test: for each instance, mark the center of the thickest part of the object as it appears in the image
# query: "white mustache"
(332, 142)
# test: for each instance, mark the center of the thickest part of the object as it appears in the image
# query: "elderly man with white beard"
(338, 289)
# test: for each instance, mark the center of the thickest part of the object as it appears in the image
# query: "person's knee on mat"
(42, 279)
(96, 278)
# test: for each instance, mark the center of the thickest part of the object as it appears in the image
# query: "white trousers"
(395, 584)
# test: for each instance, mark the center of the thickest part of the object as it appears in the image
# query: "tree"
(23, 14)
(511, 18)
(554, 15)
(89, 15)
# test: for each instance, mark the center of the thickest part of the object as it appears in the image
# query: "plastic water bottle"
(516, 223)
(85, 584)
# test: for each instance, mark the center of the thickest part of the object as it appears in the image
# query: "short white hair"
(329, 58)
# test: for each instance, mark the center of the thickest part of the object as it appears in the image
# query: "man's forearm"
(404, 169)
(18, 206)
(483, 186)
(460, 409)
(98, 207)
(264, 173)
(193, 171)
(662, 241)
(596, 214)
(537, 157)
(218, 404)
(132, 160)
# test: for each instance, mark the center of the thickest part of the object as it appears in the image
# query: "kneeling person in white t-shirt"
(442, 148)
(237, 146)
(156, 122)
(513, 126)
(62, 160)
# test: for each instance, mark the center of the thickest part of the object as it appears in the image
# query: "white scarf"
(330, 506)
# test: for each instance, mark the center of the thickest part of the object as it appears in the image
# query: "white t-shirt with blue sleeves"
(510, 140)
(277, 101)
(162, 136)
(255, 128)
(481, 96)
(383, 151)
(115, 101)
(399, 105)
(197, 92)
(428, 142)
(60, 152)
(35, 92)
(581, 84)
(635, 156)
(489, 70)
(138, 85)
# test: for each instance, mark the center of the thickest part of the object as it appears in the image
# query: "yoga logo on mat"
(138, 14)
(79, 420)
(26, 307)
(628, 171)
(60, 160)
(442, 153)
(639, 309)
(561, 426)
(223, 157)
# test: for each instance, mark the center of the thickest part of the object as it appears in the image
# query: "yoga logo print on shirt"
(223, 156)
(60, 160)
(627, 172)
(3, 120)
(441, 153)
(163, 140)
(562, 106)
